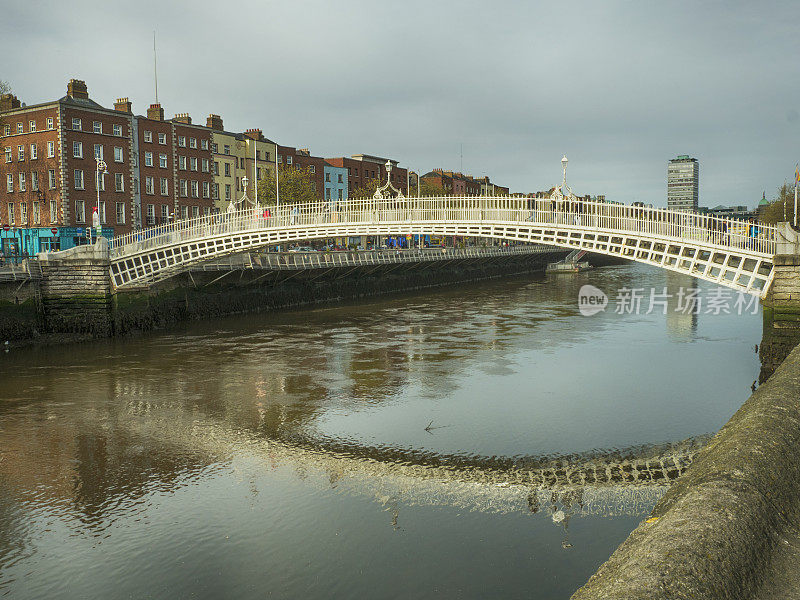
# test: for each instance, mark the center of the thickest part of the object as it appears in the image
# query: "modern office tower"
(683, 179)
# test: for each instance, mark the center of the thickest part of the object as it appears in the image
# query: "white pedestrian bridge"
(729, 252)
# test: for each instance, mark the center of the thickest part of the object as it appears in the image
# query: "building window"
(162, 161)
(77, 149)
(215, 192)
(327, 193)
(148, 185)
(80, 213)
(205, 165)
(51, 149)
(148, 159)
(204, 144)
(19, 128)
(23, 213)
(216, 168)
(34, 153)
(31, 126)
(227, 190)
(327, 176)
(193, 163)
(184, 212)
(102, 212)
(49, 122)
(51, 179)
(340, 179)
(53, 211)
(258, 174)
(118, 133)
(76, 124)
(151, 214)
(312, 169)
(193, 143)
(117, 154)
(119, 182)
(214, 148)
(98, 152)
(195, 211)
(182, 163)
(7, 130)
(148, 136)
(164, 186)
(22, 182)
(162, 139)
(35, 181)
(8, 155)
(182, 141)
(164, 213)
(11, 213)
(288, 160)
(227, 169)
(10, 183)
(97, 127)
(241, 163)
(100, 181)
(120, 213)
(184, 188)
(78, 179)
(21, 153)
(227, 149)
(195, 189)
(341, 192)
(206, 189)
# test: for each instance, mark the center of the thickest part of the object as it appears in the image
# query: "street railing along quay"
(614, 218)
(354, 258)
(28, 269)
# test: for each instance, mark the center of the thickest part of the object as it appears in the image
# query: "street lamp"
(102, 168)
(564, 162)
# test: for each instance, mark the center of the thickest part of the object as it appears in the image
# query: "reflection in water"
(292, 448)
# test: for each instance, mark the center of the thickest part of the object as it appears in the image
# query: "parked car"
(302, 249)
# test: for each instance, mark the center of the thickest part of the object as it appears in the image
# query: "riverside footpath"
(728, 529)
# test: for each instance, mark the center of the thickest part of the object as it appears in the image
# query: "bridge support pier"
(782, 303)
(76, 294)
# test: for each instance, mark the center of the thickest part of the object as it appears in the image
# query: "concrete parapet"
(713, 533)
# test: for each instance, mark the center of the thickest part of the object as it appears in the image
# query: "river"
(374, 449)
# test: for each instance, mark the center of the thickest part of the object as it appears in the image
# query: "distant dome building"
(762, 205)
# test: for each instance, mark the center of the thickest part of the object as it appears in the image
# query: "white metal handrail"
(658, 223)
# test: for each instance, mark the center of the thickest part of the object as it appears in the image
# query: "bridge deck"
(729, 252)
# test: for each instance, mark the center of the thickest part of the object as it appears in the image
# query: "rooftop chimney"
(123, 105)
(155, 112)
(183, 118)
(214, 122)
(76, 88)
(8, 101)
(254, 134)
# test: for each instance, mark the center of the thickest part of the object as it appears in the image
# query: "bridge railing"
(412, 212)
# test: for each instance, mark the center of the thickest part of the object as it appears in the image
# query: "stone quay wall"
(74, 299)
(713, 534)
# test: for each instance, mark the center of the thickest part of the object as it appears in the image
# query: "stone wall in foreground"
(714, 532)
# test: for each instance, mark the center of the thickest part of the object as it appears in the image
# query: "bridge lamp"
(564, 162)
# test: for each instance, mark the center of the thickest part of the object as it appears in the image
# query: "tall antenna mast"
(155, 68)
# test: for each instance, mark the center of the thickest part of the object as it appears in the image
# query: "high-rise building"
(683, 179)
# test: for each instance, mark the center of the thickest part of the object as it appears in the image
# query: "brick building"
(363, 168)
(157, 169)
(294, 157)
(452, 183)
(50, 167)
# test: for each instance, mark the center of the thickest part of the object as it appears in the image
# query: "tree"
(365, 191)
(5, 88)
(296, 187)
(774, 212)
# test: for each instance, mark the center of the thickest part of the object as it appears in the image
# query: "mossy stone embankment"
(714, 532)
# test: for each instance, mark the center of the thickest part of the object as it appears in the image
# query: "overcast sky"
(619, 87)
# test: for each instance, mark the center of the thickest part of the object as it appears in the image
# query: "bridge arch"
(728, 252)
